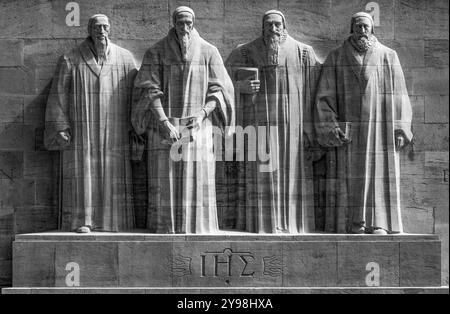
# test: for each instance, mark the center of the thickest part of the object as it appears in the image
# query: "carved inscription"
(223, 261)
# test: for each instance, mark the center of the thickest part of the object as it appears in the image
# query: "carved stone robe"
(182, 193)
(92, 102)
(369, 92)
(279, 200)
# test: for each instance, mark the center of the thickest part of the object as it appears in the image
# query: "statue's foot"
(84, 229)
(379, 231)
(358, 230)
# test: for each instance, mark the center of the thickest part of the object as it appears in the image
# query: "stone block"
(442, 229)
(34, 108)
(34, 264)
(46, 192)
(342, 11)
(436, 19)
(11, 53)
(241, 28)
(436, 109)
(418, 107)
(6, 247)
(87, 8)
(98, 263)
(420, 264)
(7, 221)
(25, 19)
(212, 30)
(39, 164)
(418, 220)
(430, 81)
(36, 219)
(436, 53)
(308, 20)
(46, 52)
(10, 195)
(436, 166)
(411, 53)
(11, 165)
(255, 264)
(12, 81)
(310, 264)
(151, 264)
(431, 137)
(355, 263)
(409, 19)
(12, 109)
(197, 264)
(140, 19)
(5, 273)
(223, 261)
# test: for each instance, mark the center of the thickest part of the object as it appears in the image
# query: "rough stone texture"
(354, 257)
(11, 53)
(414, 260)
(436, 109)
(11, 109)
(33, 34)
(109, 260)
(225, 291)
(98, 263)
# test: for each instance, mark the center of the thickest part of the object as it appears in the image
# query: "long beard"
(363, 43)
(272, 42)
(185, 45)
(101, 47)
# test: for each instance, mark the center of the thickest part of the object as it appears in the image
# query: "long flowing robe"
(92, 103)
(182, 193)
(363, 180)
(278, 201)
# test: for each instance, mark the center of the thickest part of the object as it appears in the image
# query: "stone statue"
(184, 92)
(87, 118)
(277, 100)
(364, 115)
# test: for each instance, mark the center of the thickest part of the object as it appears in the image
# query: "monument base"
(224, 291)
(225, 263)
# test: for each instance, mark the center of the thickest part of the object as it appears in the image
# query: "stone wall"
(34, 33)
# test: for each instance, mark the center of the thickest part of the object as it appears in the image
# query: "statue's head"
(183, 21)
(362, 25)
(274, 23)
(99, 28)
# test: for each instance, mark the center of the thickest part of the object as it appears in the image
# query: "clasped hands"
(171, 133)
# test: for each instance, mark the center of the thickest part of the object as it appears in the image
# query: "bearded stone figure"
(276, 195)
(364, 116)
(87, 118)
(183, 87)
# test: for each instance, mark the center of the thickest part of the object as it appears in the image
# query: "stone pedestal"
(233, 262)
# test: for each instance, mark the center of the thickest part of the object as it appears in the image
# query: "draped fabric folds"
(182, 193)
(368, 95)
(92, 103)
(276, 195)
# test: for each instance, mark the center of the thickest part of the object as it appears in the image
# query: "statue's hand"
(170, 132)
(338, 138)
(63, 138)
(400, 141)
(197, 120)
(249, 87)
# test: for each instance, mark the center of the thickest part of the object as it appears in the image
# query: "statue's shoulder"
(385, 50)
